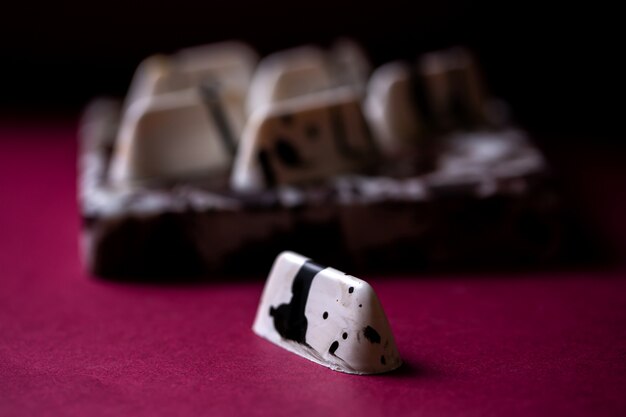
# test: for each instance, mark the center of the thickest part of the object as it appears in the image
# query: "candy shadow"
(411, 369)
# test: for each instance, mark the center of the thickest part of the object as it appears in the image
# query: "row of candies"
(295, 116)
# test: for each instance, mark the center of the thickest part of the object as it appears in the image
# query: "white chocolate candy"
(231, 64)
(308, 69)
(302, 140)
(177, 135)
(391, 110)
(326, 316)
(184, 114)
(288, 74)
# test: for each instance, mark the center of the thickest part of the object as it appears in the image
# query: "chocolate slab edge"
(506, 212)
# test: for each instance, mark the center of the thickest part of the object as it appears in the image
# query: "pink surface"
(540, 344)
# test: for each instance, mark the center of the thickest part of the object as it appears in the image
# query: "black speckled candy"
(289, 319)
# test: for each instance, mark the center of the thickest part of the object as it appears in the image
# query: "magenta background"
(532, 344)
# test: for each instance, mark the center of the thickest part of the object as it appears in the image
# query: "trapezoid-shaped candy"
(325, 316)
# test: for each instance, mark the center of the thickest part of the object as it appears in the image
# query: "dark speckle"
(344, 335)
(325, 315)
(351, 290)
(360, 305)
(287, 154)
(371, 334)
(382, 360)
(333, 347)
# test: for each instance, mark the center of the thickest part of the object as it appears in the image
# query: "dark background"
(555, 64)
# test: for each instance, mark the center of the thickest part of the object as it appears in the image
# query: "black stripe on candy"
(289, 319)
(211, 99)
